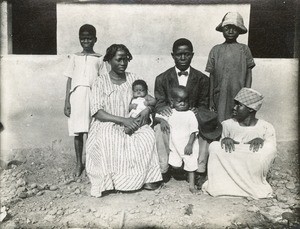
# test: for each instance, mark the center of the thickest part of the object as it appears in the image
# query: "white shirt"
(182, 80)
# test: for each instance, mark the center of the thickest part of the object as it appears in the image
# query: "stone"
(253, 208)
(282, 198)
(132, 211)
(77, 191)
(137, 211)
(52, 211)
(149, 210)
(35, 191)
(60, 212)
(22, 195)
(290, 185)
(40, 193)
(49, 218)
(34, 185)
(30, 193)
(151, 202)
(21, 182)
(53, 188)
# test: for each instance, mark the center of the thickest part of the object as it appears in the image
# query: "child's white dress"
(83, 69)
(140, 106)
(182, 125)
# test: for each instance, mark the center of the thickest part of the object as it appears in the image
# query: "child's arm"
(248, 82)
(67, 109)
(188, 150)
(132, 105)
(164, 125)
(211, 92)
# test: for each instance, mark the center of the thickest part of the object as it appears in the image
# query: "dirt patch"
(38, 190)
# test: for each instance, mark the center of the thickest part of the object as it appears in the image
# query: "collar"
(188, 70)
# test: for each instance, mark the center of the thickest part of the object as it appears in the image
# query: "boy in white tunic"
(82, 70)
(183, 128)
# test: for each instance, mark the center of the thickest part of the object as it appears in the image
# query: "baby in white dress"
(140, 100)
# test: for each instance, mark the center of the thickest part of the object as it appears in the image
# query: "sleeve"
(160, 93)
(104, 66)
(269, 136)
(225, 130)
(210, 65)
(70, 66)
(249, 58)
(162, 117)
(203, 91)
(193, 123)
(97, 97)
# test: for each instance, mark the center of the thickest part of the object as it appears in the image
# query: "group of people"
(134, 140)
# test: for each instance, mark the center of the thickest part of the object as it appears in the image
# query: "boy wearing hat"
(230, 66)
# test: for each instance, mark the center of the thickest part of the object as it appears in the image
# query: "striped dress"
(115, 160)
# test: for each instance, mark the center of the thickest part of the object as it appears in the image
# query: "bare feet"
(194, 190)
(78, 170)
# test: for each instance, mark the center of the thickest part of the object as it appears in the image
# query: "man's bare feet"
(78, 170)
(194, 190)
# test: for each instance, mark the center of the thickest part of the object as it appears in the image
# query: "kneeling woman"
(114, 159)
(238, 165)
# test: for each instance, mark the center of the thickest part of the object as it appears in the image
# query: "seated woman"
(114, 159)
(238, 165)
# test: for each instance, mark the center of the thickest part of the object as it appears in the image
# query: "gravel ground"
(38, 191)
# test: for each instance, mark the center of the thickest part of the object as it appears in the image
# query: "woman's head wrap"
(250, 98)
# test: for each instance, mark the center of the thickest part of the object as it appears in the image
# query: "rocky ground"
(38, 191)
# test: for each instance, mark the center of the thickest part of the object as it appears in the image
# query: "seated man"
(239, 163)
(197, 86)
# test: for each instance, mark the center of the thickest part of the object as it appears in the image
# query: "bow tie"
(185, 73)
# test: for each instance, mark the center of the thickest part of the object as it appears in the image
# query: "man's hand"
(229, 144)
(256, 144)
(165, 111)
(67, 109)
(188, 150)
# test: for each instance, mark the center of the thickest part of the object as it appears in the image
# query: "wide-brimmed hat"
(232, 18)
(209, 125)
(250, 98)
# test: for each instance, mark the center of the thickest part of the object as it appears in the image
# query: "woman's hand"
(143, 116)
(164, 126)
(255, 144)
(67, 109)
(188, 150)
(131, 123)
(229, 144)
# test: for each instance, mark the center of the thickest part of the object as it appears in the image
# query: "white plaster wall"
(33, 92)
(145, 29)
